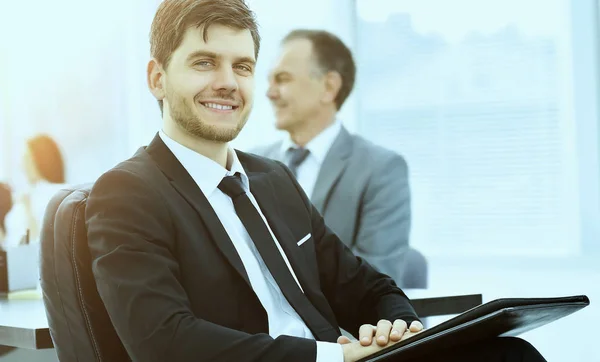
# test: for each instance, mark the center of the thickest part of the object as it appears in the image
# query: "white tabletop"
(23, 324)
(23, 314)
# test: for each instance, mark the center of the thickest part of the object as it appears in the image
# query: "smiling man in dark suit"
(204, 253)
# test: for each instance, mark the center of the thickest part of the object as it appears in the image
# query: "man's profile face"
(296, 86)
(209, 84)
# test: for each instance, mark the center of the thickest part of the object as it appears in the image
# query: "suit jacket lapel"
(185, 185)
(262, 190)
(332, 168)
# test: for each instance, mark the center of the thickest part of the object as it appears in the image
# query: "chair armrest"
(439, 306)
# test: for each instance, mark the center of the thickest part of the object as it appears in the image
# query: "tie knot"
(298, 155)
(232, 186)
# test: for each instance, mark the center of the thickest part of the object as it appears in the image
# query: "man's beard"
(182, 113)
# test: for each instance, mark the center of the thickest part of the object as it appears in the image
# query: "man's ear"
(333, 84)
(156, 79)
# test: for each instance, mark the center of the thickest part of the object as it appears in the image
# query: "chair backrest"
(79, 324)
(415, 270)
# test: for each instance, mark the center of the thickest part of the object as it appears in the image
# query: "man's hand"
(385, 333)
(353, 351)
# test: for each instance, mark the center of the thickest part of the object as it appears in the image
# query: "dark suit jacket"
(176, 289)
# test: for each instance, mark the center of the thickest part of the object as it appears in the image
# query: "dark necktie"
(260, 235)
(298, 155)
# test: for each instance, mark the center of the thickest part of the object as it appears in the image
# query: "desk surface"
(23, 322)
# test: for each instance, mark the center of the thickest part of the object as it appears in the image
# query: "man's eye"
(245, 68)
(203, 63)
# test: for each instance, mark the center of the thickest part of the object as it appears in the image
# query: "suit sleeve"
(357, 293)
(385, 218)
(131, 237)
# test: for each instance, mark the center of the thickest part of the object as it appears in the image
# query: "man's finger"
(416, 326)
(398, 329)
(365, 334)
(384, 328)
(407, 335)
(343, 340)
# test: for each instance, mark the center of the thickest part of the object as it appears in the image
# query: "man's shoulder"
(373, 152)
(254, 162)
(136, 171)
(271, 150)
(139, 163)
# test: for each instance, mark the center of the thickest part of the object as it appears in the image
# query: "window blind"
(483, 123)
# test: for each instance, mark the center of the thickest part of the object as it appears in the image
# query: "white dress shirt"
(283, 319)
(307, 172)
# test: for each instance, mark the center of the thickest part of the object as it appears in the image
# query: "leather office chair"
(79, 324)
(415, 271)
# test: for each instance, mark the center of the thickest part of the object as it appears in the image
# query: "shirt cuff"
(329, 352)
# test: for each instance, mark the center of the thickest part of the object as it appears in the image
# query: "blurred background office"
(42, 166)
(494, 104)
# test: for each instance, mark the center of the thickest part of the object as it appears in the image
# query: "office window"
(477, 96)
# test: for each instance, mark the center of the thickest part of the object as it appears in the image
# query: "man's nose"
(272, 93)
(225, 80)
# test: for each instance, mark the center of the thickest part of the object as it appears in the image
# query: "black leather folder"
(501, 317)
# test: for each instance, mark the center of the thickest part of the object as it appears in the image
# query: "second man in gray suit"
(361, 189)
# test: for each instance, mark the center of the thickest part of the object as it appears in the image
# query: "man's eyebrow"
(202, 53)
(280, 73)
(213, 55)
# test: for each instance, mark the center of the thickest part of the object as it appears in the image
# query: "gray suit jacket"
(362, 190)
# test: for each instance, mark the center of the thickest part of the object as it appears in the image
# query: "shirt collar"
(320, 145)
(205, 172)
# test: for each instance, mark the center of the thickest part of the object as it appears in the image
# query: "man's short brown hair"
(174, 17)
(331, 54)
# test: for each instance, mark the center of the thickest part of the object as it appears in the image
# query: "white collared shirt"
(307, 172)
(283, 319)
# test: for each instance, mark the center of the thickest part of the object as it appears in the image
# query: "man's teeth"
(218, 106)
